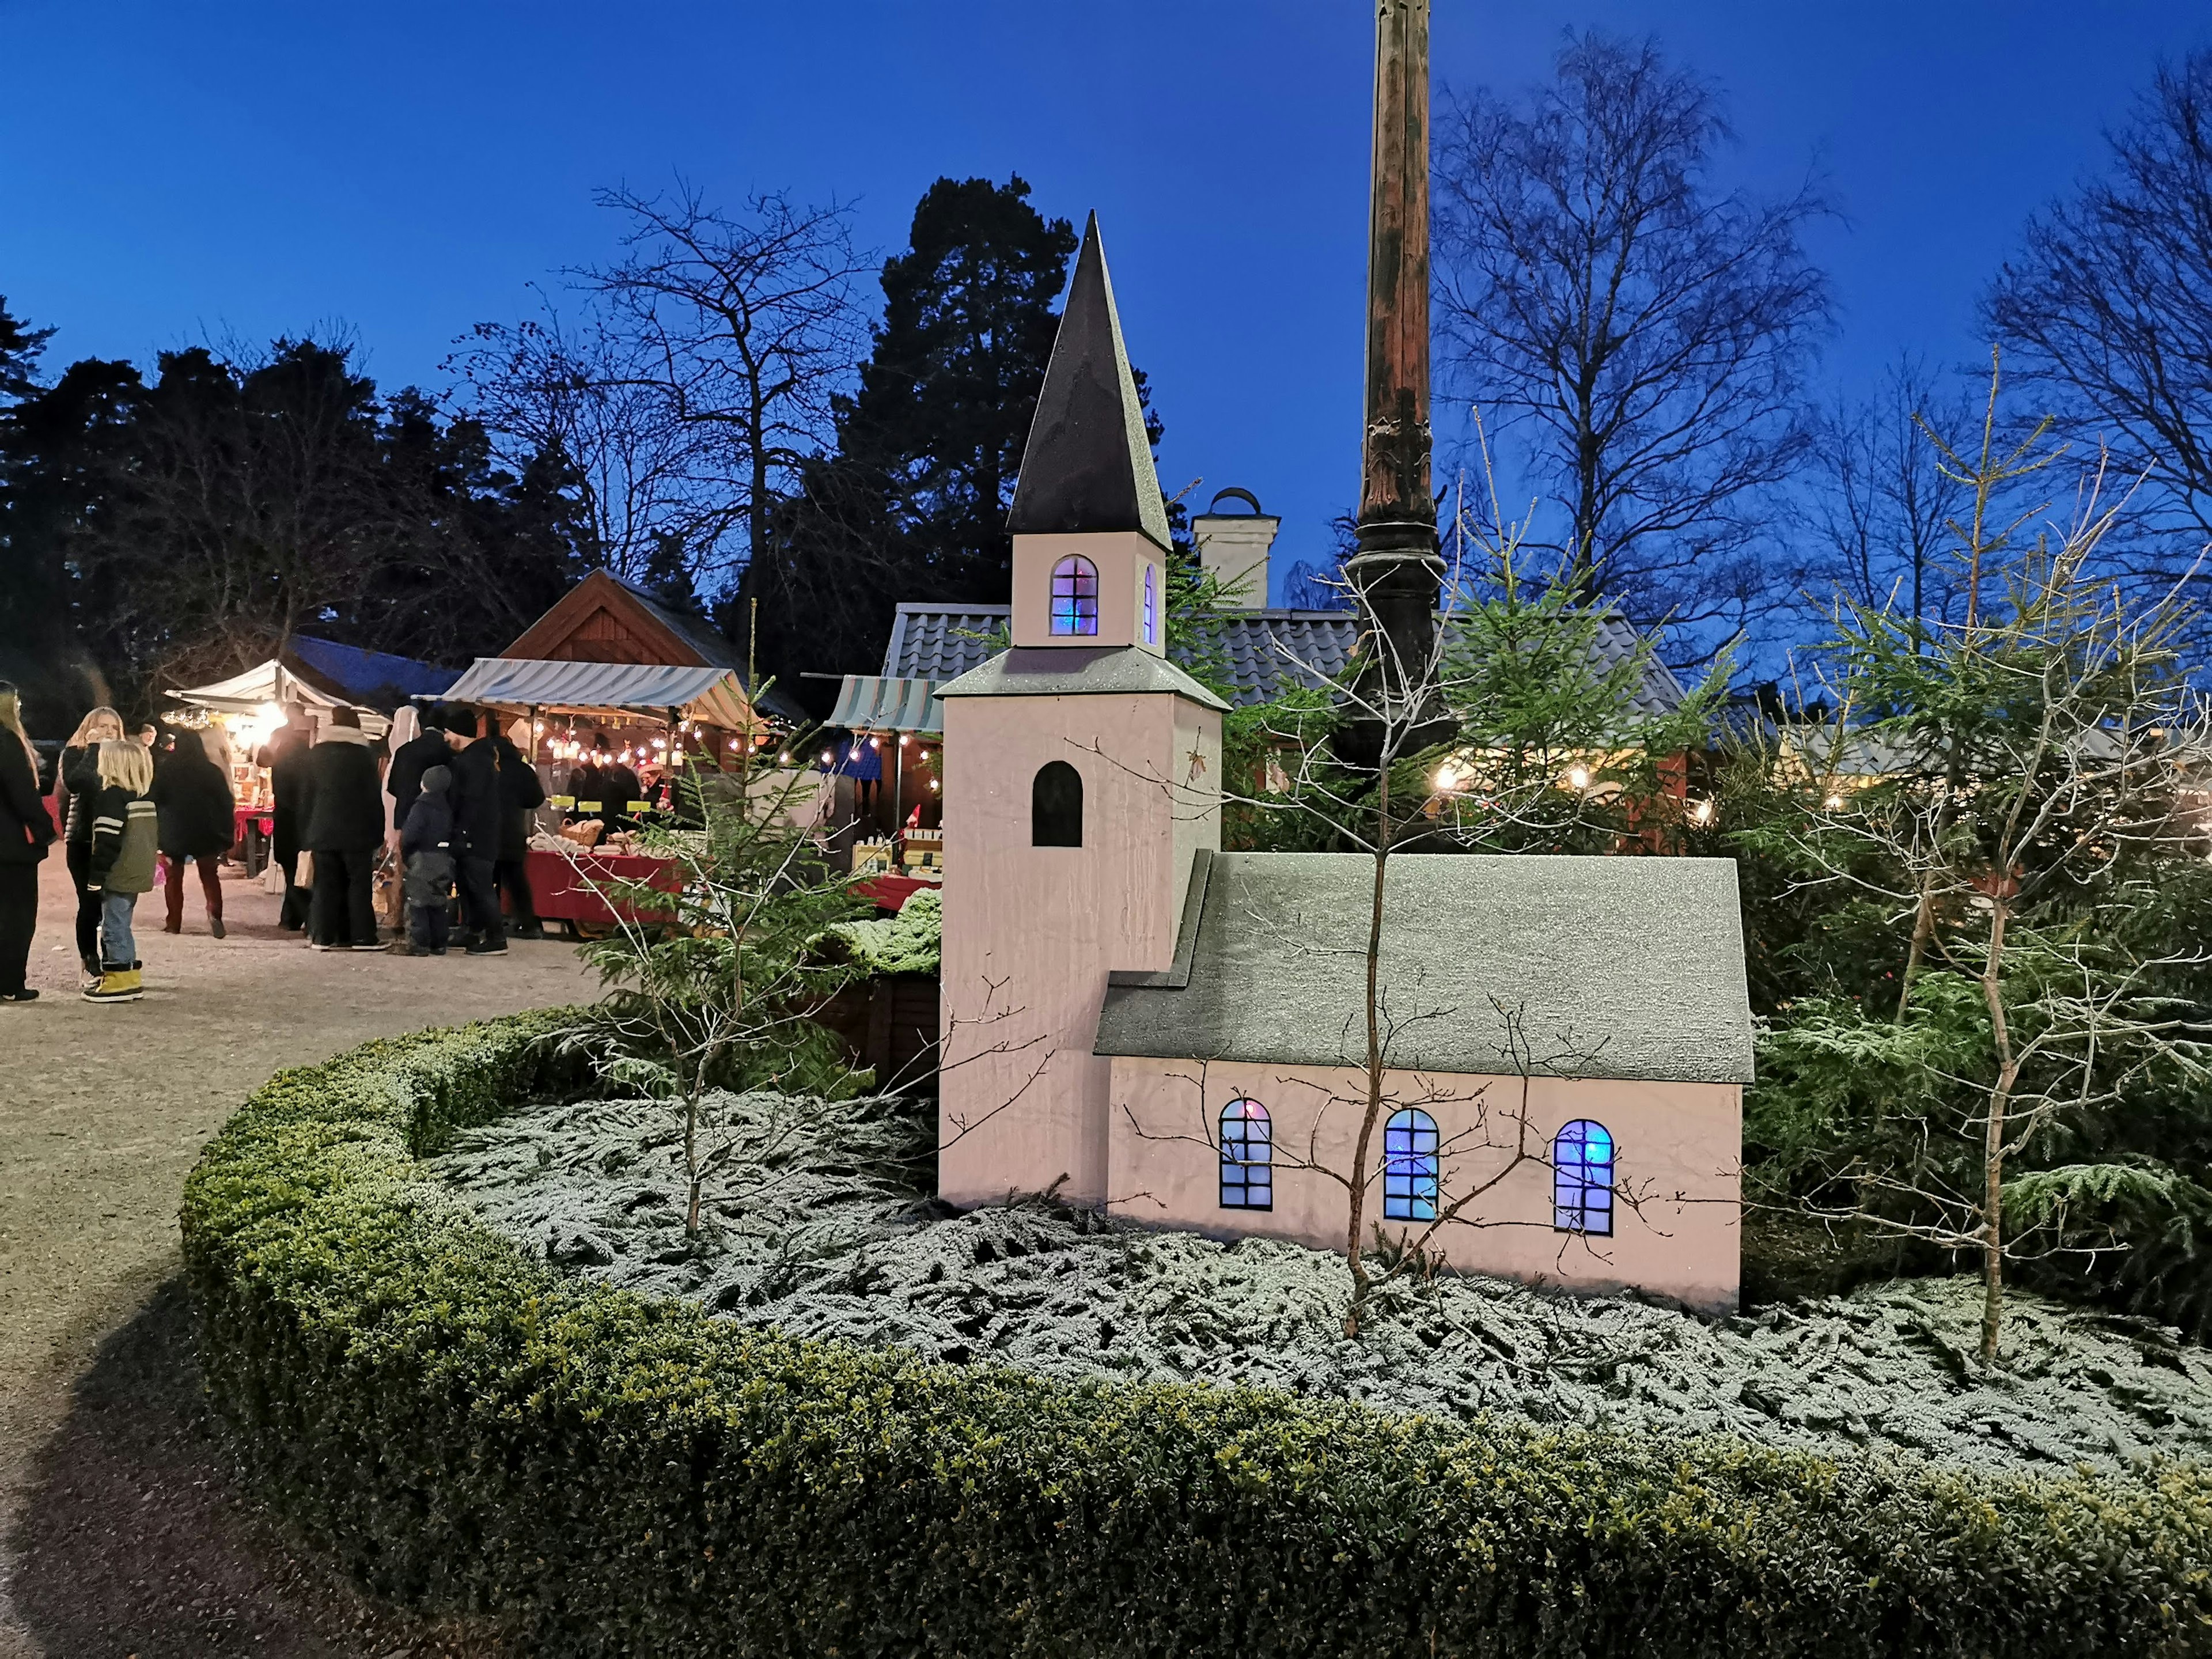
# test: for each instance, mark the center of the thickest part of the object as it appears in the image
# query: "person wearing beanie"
(426, 841)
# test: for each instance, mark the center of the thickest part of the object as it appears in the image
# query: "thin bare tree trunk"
(1353, 1253)
(1993, 1148)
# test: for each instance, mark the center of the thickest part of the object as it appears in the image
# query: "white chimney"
(1233, 547)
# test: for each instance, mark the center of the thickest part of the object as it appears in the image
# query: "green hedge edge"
(606, 1474)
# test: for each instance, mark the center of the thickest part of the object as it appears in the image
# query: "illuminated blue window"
(1151, 609)
(1409, 1167)
(1582, 1178)
(1075, 596)
(1248, 1157)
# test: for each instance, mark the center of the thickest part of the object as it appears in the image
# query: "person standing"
(25, 832)
(286, 757)
(78, 785)
(124, 835)
(586, 784)
(521, 793)
(197, 820)
(620, 787)
(426, 840)
(343, 810)
(480, 812)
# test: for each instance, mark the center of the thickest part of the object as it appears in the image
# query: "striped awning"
(878, 703)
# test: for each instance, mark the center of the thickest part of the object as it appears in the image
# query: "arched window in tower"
(1248, 1157)
(1075, 596)
(1582, 1178)
(1409, 1167)
(1056, 807)
(1152, 607)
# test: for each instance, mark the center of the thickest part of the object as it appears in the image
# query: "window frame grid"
(1413, 1175)
(1580, 1204)
(1151, 605)
(1237, 1172)
(1078, 604)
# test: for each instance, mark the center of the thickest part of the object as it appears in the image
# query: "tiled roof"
(944, 641)
(1263, 652)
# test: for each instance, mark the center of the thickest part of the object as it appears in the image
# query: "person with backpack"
(25, 833)
(124, 837)
(196, 815)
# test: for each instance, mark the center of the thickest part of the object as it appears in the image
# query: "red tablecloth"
(562, 887)
(892, 892)
(262, 818)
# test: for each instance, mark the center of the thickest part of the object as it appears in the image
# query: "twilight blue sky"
(170, 173)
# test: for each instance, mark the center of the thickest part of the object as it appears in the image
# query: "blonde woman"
(25, 829)
(79, 785)
(124, 837)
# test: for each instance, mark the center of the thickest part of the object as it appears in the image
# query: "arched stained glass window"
(1248, 1157)
(1152, 607)
(1409, 1167)
(1056, 806)
(1075, 596)
(1582, 1178)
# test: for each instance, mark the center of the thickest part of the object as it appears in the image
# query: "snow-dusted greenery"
(907, 943)
(817, 1223)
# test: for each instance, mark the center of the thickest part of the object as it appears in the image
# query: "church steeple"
(1088, 466)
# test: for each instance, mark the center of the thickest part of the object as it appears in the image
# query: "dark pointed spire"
(1088, 465)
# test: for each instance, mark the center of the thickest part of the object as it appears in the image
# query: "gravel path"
(119, 1534)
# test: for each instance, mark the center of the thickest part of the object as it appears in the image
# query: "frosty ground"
(817, 1222)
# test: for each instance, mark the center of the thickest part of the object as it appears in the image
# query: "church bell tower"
(1082, 774)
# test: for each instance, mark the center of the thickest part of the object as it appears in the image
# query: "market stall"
(896, 724)
(660, 722)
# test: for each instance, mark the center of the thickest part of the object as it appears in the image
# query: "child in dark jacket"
(426, 841)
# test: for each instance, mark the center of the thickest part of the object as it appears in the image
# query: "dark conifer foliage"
(913, 503)
(151, 534)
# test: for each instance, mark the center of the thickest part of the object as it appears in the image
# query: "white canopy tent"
(260, 694)
(709, 696)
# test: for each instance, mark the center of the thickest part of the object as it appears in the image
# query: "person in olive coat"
(25, 832)
(197, 818)
(344, 827)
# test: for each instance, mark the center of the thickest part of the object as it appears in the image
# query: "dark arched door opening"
(1056, 807)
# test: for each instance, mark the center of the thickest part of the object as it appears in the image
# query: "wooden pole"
(1395, 573)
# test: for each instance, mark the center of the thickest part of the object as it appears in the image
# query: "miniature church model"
(1136, 1021)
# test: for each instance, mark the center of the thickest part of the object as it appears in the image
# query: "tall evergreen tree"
(913, 504)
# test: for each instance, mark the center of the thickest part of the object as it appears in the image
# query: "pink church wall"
(1122, 557)
(1031, 932)
(1678, 1152)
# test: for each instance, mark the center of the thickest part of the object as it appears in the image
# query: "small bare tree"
(713, 974)
(2012, 768)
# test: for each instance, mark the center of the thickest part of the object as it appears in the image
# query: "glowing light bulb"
(1446, 777)
(904, 740)
(827, 757)
(1834, 803)
(875, 742)
(932, 783)
(784, 759)
(1578, 777)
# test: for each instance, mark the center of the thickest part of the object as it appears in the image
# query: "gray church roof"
(1628, 967)
(1062, 671)
(1088, 464)
(1264, 652)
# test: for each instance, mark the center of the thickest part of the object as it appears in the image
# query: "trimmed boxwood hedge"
(609, 1475)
